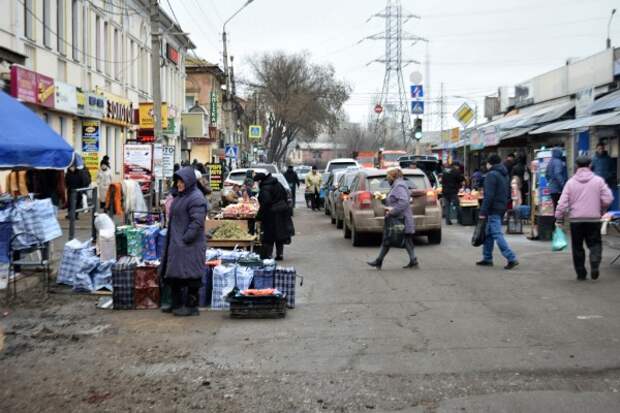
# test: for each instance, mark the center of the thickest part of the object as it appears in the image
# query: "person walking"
(77, 177)
(398, 204)
(313, 186)
(451, 184)
(293, 182)
(183, 261)
(274, 214)
(556, 175)
(584, 199)
(493, 208)
(104, 179)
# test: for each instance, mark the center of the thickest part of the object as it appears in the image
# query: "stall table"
(213, 224)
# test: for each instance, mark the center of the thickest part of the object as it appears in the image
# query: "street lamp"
(613, 12)
(475, 126)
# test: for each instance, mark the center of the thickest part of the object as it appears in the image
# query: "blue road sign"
(231, 151)
(417, 91)
(417, 107)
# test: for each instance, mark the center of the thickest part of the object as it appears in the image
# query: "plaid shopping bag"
(71, 262)
(284, 281)
(146, 298)
(123, 274)
(146, 277)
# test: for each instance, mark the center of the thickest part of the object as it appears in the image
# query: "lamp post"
(611, 17)
(226, 70)
(475, 126)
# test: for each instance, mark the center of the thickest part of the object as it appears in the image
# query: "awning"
(515, 133)
(544, 115)
(27, 141)
(605, 119)
(607, 102)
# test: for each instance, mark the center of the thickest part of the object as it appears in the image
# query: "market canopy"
(607, 102)
(27, 141)
(605, 119)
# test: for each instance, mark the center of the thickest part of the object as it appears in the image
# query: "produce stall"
(229, 233)
(469, 207)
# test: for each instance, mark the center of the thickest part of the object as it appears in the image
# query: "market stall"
(469, 207)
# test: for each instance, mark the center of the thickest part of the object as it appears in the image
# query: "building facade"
(85, 65)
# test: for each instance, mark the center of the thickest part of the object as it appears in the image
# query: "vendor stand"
(469, 207)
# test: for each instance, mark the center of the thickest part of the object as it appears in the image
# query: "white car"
(341, 163)
(237, 176)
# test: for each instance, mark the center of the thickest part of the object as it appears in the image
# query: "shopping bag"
(394, 232)
(480, 233)
(558, 242)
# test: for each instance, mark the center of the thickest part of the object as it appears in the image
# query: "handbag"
(280, 206)
(394, 232)
(480, 233)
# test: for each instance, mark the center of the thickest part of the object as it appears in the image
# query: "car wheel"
(346, 230)
(434, 237)
(356, 237)
(338, 223)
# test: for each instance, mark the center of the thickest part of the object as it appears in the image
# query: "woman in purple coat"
(183, 261)
(398, 206)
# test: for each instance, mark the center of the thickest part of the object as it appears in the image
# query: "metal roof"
(605, 119)
(607, 102)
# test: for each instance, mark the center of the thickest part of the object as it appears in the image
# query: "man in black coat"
(451, 184)
(293, 181)
(274, 215)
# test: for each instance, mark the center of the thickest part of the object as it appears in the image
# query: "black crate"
(257, 307)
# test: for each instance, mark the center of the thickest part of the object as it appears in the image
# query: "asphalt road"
(447, 337)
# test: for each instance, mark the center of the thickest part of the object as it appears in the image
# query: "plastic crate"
(257, 307)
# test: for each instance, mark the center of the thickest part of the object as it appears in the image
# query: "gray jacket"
(399, 199)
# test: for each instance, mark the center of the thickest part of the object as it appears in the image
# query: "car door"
(348, 202)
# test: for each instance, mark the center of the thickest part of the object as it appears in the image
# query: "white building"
(75, 61)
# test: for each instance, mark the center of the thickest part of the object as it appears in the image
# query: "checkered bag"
(88, 262)
(284, 281)
(146, 298)
(6, 232)
(223, 283)
(70, 265)
(146, 277)
(206, 291)
(102, 275)
(37, 218)
(263, 278)
(123, 274)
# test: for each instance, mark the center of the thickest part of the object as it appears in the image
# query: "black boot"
(376, 263)
(412, 264)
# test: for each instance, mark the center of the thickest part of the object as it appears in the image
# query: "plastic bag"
(394, 232)
(223, 283)
(104, 222)
(102, 275)
(82, 281)
(558, 242)
(70, 264)
(480, 233)
(107, 245)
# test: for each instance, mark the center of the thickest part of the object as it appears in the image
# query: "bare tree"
(298, 97)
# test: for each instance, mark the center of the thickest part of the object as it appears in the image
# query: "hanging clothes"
(17, 184)
(114, 199)
(48, 183)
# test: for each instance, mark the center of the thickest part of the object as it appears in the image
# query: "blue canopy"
(27, 141)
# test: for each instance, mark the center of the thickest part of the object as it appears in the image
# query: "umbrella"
(26, 141)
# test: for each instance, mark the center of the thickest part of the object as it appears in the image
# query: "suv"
(430, 164)
(341, 163)
(364, 214)
(341, 193)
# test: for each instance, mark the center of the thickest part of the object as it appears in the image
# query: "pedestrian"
(248, 183)
(398, 207)
(493, 208)
(313, 186)
(477, 179)
(293, 182)
(104, 179)
(274, 214)
(77, 177)
(556, 175)
(184, 255)
(584, 199)
(602, 164)
(451, 183)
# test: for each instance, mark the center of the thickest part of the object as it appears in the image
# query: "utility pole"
(155, 68)
(441, 111)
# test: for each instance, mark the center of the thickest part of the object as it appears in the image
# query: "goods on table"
(231, 231)
(246, 209)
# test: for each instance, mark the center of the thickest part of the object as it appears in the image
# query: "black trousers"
(267, 249)
(293, 193)
(590, 232)
(408, 246)
(448, 201)
(314, 200)
(179, 286)
(555, 198)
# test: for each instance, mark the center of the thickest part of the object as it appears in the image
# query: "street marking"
(588, 317)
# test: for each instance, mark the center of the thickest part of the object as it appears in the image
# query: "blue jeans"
(494, 234)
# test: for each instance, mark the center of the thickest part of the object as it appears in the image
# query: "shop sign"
(90, 135)
(213, 108)
(172, 127)
(145, 136)
(90, 105)
(24, 84)
(455, 134)
(80, 98)
(46, 96)
(475, 140)
(91, 163)
(138, 164)
(215, 174)
(172, 54)
(491, 138)
(66, 98)
(163, 161)
(118, 110)
(147, 118)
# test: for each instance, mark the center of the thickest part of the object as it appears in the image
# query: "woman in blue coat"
(183, 261)
(398, 206)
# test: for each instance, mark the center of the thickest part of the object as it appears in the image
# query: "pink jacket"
(585, 197)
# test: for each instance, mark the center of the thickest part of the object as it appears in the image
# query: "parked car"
(340, 195)
(430, 164)
(341, 163)
(331, 186)
(237, 176)
(302, 171)
(364, 213)
(271, 167)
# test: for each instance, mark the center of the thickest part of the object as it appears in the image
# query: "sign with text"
(90, 135)
(146, 118)
(216, 176)
(163, 161)
(213, 108)
(138, 164)
(91, 163)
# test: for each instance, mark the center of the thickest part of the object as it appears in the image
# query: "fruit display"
(241, 210)
(231, 231)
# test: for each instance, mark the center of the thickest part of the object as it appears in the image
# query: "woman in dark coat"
(183, 263)
(274, 215)
(398, 206)
(77, 177)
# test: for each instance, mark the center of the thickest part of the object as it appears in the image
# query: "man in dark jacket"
(183, 261)
(293, 181)
(274, 215)
(77, 177)
(451, 184)
(556, 176)
(493, 209)
(602, 165)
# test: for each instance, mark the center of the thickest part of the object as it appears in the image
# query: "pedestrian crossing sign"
(231, 151)
(255, 132)
(417, 107)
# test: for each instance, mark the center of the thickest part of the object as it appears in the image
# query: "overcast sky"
(474, 46)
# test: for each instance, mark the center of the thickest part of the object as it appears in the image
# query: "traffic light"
(417, 129)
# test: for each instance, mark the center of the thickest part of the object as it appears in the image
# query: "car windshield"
(392, 157)
(340, 165)
(237, 176)
(380, 183)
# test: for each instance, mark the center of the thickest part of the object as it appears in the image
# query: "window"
(75, 11)
(60, 27)
(106, 48)
(190, 100)
(132, 65)
(86, 26)
(47, 35)
(29, 51)
(117, 65)
(28, 19)
(62, 71)
(98, 42)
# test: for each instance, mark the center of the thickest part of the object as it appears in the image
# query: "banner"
(216, 178)
(145, 114)
(91, 163)
(138, 164)
(167, 163)
(90, 135)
